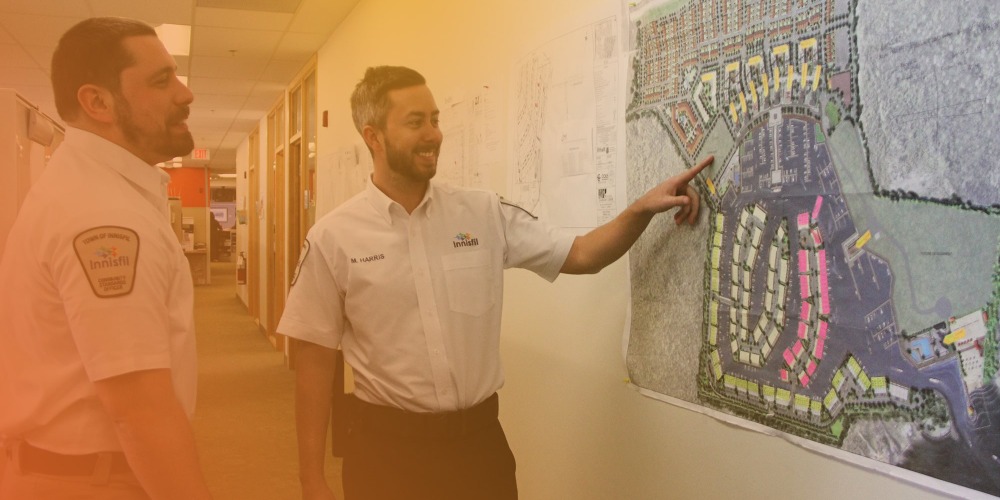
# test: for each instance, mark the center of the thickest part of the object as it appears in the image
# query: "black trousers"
(380, 464)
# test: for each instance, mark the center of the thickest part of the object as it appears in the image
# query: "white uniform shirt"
(414, 300)
(71, 309)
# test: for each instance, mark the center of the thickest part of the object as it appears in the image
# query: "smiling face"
(411, 137)
(152, 105)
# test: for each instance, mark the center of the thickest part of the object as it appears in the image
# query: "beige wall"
(244, 200)
(577, 429)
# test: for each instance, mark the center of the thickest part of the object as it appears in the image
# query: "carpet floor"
(245, 420)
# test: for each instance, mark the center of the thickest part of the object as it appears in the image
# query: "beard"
(402, 163)
(161, 141)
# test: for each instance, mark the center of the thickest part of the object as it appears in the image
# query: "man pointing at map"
(407, 279)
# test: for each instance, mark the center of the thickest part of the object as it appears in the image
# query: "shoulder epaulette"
(519, 207)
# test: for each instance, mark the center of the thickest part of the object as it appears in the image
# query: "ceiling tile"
(259, 5)
(321, 16)
(13, 56)
(154, 12)
(206, 118)
(220, 86)
(222, 159)
(227, 67)
(41, 54)
(242, 19)
(298, 46)
(247, 116)
(208, 139)
(46, 7)
(261, 103)
(233, 139)
(230, 42)
(219, 102)
(281, 71)
(32, 29)
(23, 76)
(5, 37)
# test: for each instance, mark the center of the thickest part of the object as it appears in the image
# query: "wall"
(256, 208)
(245, 204)
(577, 429)
(190, 184)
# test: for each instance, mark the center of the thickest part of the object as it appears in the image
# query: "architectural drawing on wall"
(565, 128)
(471, 125)
(849, 266)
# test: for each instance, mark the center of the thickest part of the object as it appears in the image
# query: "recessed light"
(176, 38)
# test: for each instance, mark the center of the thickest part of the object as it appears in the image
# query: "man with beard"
(407, 279)
(97, 368)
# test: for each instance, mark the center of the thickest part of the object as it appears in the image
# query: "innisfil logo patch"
(109, 256)
(465, 240)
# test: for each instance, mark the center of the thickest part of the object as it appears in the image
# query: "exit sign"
(199, 154)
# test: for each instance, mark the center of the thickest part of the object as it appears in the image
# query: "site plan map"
(842, 283)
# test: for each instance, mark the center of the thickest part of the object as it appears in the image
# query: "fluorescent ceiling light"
(176, 38)
(174, 163)
(227, 176)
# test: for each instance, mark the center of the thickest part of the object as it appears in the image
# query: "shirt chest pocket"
(469, 279)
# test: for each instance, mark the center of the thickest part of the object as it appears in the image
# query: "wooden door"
(277, 259)
(254, 211)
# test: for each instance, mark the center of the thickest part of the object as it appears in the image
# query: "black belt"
(39, 461)
(452, 424)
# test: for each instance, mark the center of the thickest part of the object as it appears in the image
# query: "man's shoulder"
(461, 194)
(343, 216)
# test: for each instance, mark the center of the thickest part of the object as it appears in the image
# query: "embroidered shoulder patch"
(109, 256)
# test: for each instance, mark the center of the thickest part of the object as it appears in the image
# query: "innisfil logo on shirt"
(108, 257)
(465, 240)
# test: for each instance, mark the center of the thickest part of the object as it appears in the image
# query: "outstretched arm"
(603, 245)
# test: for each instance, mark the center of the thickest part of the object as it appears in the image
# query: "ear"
(97, 103)
(373, 138)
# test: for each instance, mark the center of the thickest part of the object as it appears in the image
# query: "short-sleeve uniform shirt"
(414, 300)
(95, 284)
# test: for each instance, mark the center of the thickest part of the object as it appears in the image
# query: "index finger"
(693, 171)
(686, 176)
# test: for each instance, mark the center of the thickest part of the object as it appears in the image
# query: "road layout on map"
(839, 305)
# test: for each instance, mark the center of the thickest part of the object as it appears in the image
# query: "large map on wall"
(842, 283)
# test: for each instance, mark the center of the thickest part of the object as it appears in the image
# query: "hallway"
(245, 419)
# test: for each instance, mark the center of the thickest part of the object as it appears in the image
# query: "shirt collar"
(108, 154)
(383, 204)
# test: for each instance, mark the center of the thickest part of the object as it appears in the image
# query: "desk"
(198, 260)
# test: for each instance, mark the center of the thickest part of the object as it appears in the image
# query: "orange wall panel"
(190, 184)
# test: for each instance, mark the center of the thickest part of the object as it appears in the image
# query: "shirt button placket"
(428, 313)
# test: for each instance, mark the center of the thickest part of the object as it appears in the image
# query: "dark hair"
(370, 99)
(91, 52)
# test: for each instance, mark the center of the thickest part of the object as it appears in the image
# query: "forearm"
(313, 391)
(160, 449)
(603, 245)
(595, 250)
(155, 433)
